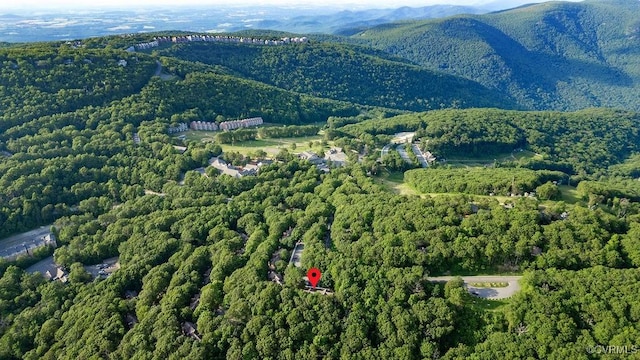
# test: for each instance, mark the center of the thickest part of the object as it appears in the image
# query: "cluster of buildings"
(204, 126)
(237, 124)
(334, 156)
(216, 38)
(27, 247)
(181, 127)
(212, 126)
(60, 275)
(144, 46)
(235, 171)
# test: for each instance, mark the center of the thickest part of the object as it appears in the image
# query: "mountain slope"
(555, 55)
(342, 72)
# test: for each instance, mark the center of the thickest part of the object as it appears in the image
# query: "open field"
(273, 146)
(394, 182)
(270, 146)
(500, 199)
(569, 194)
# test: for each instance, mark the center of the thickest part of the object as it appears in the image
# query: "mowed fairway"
(273, 146)
(394, 181)
(270, 146)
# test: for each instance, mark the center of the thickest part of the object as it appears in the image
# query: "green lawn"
(569, 194)
(273, 146)
(394, 182)
(270, 146)
(489, 305)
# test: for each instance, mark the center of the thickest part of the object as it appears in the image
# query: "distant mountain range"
(547, 56)
(83, 24)
(555, 55)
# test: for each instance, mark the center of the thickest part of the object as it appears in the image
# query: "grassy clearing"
(489, 284)
(569, 194)
(489, 305)
(500, 199)
(273, 146)
(270, 146)
(394, 182)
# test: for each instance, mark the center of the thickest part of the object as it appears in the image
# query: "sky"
(35, 5)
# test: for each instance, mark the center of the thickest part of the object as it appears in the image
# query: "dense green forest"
(44, 79)
(203, 258)
(345, 73)
(480, 181)
(375, 256)
(550, 56)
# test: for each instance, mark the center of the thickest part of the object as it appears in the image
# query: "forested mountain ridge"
(342, 72)
(68, 116)
(556, 55)
(45, 79)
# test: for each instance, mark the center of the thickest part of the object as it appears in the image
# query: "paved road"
(385, 150)
(158, 68)
(416, 150)
(487, 293)
(403, 153)
(296, 255)
(17, 243)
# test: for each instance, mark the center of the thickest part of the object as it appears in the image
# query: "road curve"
(385, 150)
(403, 153)
(158, 68)
(487, 293)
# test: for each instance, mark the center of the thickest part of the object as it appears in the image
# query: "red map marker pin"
(314, 276)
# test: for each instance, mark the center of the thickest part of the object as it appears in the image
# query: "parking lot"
(19, 243)
(104, 269)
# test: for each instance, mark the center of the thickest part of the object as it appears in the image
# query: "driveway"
(487, 293)
(296, 255)
(385, 150)
(403, 153)
(416, 150)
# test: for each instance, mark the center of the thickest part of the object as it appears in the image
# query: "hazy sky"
(35, 5)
